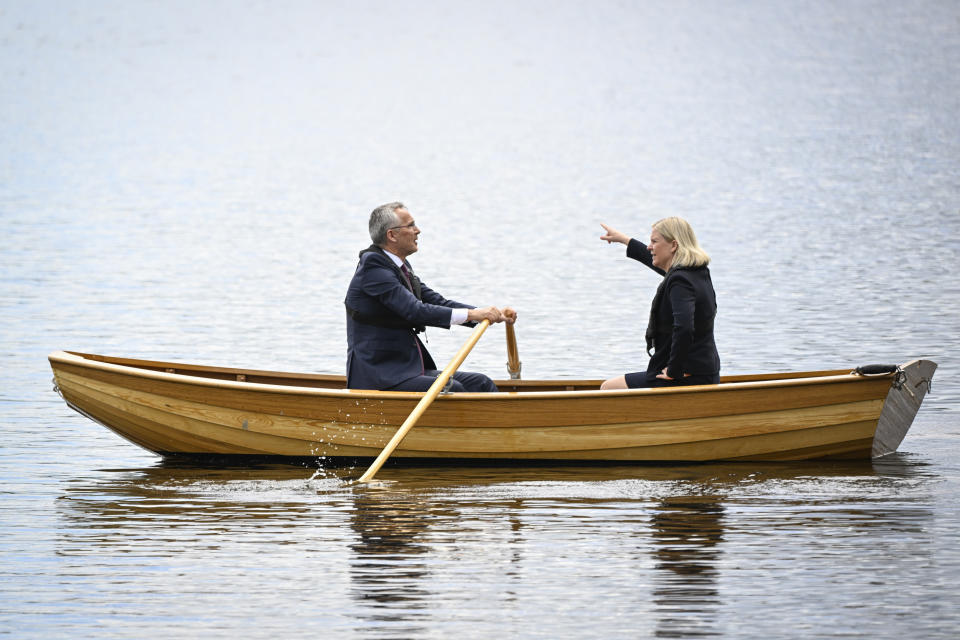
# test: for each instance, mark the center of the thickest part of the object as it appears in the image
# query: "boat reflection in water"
(390, 580)
(687, 533)
(658, 550)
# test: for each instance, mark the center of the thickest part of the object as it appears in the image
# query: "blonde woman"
(680, 330)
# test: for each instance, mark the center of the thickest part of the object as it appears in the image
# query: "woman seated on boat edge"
(679, 334)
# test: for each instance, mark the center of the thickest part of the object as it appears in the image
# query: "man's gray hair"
(381, 219)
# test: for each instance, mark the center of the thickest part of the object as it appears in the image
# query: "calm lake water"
(190, 181)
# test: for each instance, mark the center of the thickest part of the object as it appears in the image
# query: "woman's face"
(661, 250)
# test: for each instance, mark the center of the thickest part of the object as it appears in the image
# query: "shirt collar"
(397, 260)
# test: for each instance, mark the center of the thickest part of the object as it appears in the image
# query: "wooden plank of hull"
(831, 441)
(158, 436)
(156, 431)
(549, 409)
(169, 425)
(493, 436)
(328, 381)
(166, 433)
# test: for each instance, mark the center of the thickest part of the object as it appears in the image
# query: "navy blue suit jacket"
(681, 318)
(383, 319)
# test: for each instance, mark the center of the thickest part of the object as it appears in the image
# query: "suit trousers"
(460, 381)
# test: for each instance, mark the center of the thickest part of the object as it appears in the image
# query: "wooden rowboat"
(180, 409)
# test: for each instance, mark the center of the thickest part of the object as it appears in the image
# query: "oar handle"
(426, 401)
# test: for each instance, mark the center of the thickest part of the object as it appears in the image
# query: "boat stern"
(901, 405)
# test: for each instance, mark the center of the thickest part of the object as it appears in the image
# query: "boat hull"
(797, 417)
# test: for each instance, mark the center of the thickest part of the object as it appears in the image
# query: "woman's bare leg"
(620, 382)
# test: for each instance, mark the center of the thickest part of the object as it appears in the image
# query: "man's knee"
(487, 384)
(476, 382)
(454, 386)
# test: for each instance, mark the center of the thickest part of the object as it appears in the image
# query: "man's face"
(404, 236)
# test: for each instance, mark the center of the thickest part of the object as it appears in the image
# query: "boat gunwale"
(85, 360)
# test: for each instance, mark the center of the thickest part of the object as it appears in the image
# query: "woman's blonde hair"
(689, 253)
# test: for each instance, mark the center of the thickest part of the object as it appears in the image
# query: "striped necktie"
(406, 276)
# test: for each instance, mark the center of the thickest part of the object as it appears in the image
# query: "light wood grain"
(775, 418)
(513, 354)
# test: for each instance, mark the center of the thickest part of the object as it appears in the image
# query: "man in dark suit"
(387, 306)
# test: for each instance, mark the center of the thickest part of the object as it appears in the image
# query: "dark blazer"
(384, 315)
(680, 329)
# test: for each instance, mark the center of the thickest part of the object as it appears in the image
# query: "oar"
(513, 357)
(425, 402)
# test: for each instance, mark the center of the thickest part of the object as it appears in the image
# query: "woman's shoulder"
(688, 275)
